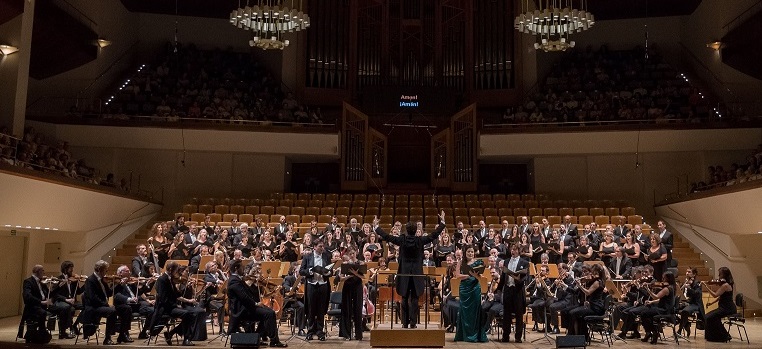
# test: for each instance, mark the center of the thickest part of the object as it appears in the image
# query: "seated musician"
(37, 302)
(167, 297)
(130, 293)
(214, 280)
(620, 266)
(539, 298)
(293, 299)
(593, 289)
(631, 314)
(693, 304)
(244, 305)
(95, 300)
(66, 296)
(189, 301)
(492, 304)
(565, 290)
(450, 304)
(195, 261)
(630, 295)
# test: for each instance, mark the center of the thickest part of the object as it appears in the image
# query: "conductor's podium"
(410, 338)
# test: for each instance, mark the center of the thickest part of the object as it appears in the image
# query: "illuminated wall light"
(29, 227)
(46, 228)
(55, 228)
(18, 226)
(8, 226)
(38, 228)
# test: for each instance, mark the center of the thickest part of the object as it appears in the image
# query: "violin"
(717, 282)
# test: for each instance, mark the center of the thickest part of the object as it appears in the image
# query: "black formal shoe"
(555, 331)
(504, 340)
(301, 333)
(223, 333)
(108, 341)
(187, 343)
(534, 328)
(358, 338)
(413, 326)
(365, 328)
(75, 330)
(322, 338)
(518, 340)
(65, 335)
(124, 338)
(168, 338)
(404, 326)
(309, 337)
(654, 338)
(143, 335)
(278, 345)
(646, 338)
(635, 335)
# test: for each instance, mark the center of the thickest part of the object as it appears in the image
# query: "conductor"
(410, 263)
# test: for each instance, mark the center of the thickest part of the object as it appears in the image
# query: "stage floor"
(9, 327)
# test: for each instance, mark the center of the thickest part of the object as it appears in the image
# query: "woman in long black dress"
(594, 292)
(714, 330)
(536, 239)
(351, 300)
(657, 256)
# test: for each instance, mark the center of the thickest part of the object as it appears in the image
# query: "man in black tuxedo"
(95, 299)
(525, 227)
(620, 266)
(411, 249)
(166, 304)
(140, 260)
(37, 302)
(481, 232)
(427, 261)
(317, 290)
(244, 304)
(330, 227)
(514, 301)
(620, 232)
(505, 231)
(460, 233)
(667, 240)
(643, 240)
(129, 296)
(281, 229)
(571, 228)
(175, 228)
(568, 242)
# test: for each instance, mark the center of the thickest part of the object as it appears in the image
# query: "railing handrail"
(726, 27)
(81, 14)
(113, 64)
(714, 76)
(704, 238)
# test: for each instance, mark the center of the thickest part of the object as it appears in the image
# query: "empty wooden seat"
(283, 210)
(550, 211)
(229, 217)
(534, 212)
(206, 209)
(330, 211)
(197, 217)
(602, 221)
(297, 210)
(314, 210)
(581, 211)
(308, 218)
(251, 209)
(344, 211)
(635, 219)
(628, 211)
(333, 197)
(286, 202)
(246, 217)
(304, 196)
(612, 211)
(268, 210)
(190, 208)
(585, 219)
(596, 211)
(531, 204)
(555, 220)
(565, 211)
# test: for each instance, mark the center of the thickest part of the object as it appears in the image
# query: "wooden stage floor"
(9, 327)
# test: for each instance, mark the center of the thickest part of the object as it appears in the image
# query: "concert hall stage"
(9, 327)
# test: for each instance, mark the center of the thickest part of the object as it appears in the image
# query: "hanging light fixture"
(553, 21)
(270, 20)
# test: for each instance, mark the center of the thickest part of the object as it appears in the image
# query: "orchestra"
(568, 280)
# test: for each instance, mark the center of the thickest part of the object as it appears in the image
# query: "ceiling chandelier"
(552, 21)
(270, 20)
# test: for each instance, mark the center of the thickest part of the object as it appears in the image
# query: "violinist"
(351, 299)
(492, 304)
(95, 299)
(191, 301)
(575, 266)
(127, 294)
(291, 284)
(642, 294)
(65, 296)
(540, 297)
(450, 304)
(592, 288)
(167, 297)
(214, 280)
(564, 291)
(630, 295)
(714, 331)
(221, 259)
(245, 305)
(694, 303)
(661, 302)
(37, 302)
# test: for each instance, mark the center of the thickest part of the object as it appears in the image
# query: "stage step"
(407, 338)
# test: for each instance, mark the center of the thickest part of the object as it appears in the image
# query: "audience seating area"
(35, 151)
(719, 177)
(302, 208)
(605, 86)
(186, 82)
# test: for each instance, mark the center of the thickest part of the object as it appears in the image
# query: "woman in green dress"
(471, 319)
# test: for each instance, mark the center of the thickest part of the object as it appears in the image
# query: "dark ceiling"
(9, 9)
(602, 9)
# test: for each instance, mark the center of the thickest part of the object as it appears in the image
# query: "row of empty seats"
(469, 200)
(404, 211)
(428, 220)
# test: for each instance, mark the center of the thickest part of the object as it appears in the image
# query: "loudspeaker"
(246, 340)
(571, 341)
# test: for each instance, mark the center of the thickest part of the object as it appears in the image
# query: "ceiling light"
(270, 20)
(101, 42)
(8, 49)
(715, 45)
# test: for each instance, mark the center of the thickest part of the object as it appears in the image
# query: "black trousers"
(123, 313)
(555, 308)
(685, 314)
(65, 312)
(450, 310)
(491, 309)
(187, 325)
(351, 310)
(317, 297)
(514, 307)
(410, 308)
(266, 318)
